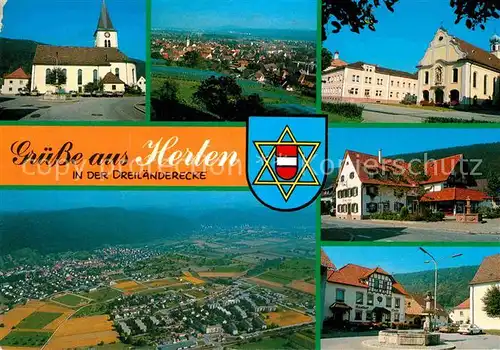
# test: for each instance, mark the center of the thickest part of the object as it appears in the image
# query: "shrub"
(385, 216)
(490, 213)
(409, 99)
(346, 110)
(404, 213)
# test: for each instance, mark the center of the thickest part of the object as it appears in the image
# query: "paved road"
(470, 342)
(84, 109)
(376, 113)
(344, 230)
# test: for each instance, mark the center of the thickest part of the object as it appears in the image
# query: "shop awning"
(340, 305)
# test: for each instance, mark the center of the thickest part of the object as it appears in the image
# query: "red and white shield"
(286, 161)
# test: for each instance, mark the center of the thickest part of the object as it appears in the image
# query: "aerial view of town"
(384, 187)
(93, 70)
(226, 72)
(419, 297)
(202, 281)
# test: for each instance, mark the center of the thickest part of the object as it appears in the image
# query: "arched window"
(47, 74)
(117, 72)
(485, 87)
(80, 77)
(474, 79)
(95, 76)
(426, 78)
(133, 76)
(455, 75)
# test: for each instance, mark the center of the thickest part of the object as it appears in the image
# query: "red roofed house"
(486, 277)
(326, 268)
(415, 312)
(359, 294)
(14, 82)
(369, 184)
(461, 313)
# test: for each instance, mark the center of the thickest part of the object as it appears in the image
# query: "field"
(91, 310)
(71, 300)
(302, 286)
(38, 320)
(277, 276)
(265, 283)
(129, 287)
(103, 294)
(267, 343)
(286, 318)
(190, 278)
(210, 274)
(83, 332)
(161, 283)
(25, 339)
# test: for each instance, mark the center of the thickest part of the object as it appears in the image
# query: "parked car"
(449, 328)
(86, 94)
(34, 93)
(108, 94)
(469, 329)
(73, 93)
(118, 94)
(98, 94)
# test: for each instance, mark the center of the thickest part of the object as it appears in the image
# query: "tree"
(192, 59)
(56, 77)
(94, 86)
(493, 188)
(168, 92)
(491, 302)
(358, 14)
(326, 58)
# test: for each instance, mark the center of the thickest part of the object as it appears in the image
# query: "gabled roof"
(326, 262)
(19, 73)
(354, 275)
(464, 305)
(488, 271)
(78, 56)
(440, 169)
(417, 306)
(104, 22)
(110, 78)
(378, 69)
(367, 164)
(454, 194)
(478, 55)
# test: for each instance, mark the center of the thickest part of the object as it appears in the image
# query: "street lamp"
(435, 275)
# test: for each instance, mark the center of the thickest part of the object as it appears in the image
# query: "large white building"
(369, 184)
(359, 294)
(83, 65)
(15, 82)
(486, 277)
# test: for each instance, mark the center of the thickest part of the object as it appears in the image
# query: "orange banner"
(122, 156)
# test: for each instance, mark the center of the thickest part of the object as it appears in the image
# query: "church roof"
(78, 56)
(488, 271)
(110, 78)
(478, 55)
(19, 73)
(104, 19)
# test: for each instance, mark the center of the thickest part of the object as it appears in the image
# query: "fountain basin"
(408, 338)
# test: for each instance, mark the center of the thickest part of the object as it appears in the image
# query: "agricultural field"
(188, 276)
(267, 343)
(83, 332)
(129, 287)
(91, 310)
(38, 320)
(286, 318)
(210, 274)
(32, 339)
(277, 276)
(71, 300)
(161, 283)
(265, 283)
(303, 286)
(103, 294)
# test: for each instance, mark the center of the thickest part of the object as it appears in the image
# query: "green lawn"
(229, 268)
(38, 320)
(335, 118)
(71, 300)
(103, 294)
(25, 339)
(268, 343)
(277, 276)
(91, 310)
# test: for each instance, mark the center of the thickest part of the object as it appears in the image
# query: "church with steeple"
(102, 64)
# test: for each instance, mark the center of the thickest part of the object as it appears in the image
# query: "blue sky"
(401, 38)
(407, 259)
(403, 140)
(257, 14)
(73, 22)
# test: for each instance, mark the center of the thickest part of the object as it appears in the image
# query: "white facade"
(106, 38)
(12, 86)
(477, 315)
(460, 316)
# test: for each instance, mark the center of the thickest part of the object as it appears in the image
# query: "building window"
(392, 82)
(359, 298)
(340, 295)
(396, 317)
(113, 87)
(339, 208)
(95, 76)
(10, 89)
(455, 75)
(367, 92)
(474, 80)
(397, 83)
(426, 78)
(351, 175)
(353, 78)
(117, 72)
(397, 303)
(404, 84)
(372, 207)
(376, 284)
(354, 208)
(369, 299)
(357, 78)
(356, 91)
(461, 313)
(354, 191)
(342, 178)
(390, 94)
(388, 300)
(369, 80)
(358, 315)
(397, 94)
(80, 77)
(485, 84)
(12, 81)
(47, 74)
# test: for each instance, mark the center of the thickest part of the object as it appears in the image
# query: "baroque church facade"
(83, 65)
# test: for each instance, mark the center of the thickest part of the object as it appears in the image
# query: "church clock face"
(107, 35)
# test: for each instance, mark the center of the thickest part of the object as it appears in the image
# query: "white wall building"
(461, 313)
(14, 82)
(83, 65)
(141, 83)
(358, 294)
(487, 276)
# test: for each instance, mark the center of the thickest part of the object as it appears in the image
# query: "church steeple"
(105, 34)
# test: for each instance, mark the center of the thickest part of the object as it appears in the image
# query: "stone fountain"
(468, 216)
